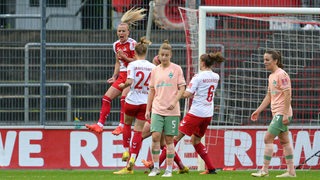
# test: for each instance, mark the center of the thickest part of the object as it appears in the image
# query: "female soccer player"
(279, 96)
(202, 87)
(136, 102)
(167, 85)
(124, 50)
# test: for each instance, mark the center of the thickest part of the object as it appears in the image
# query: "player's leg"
(126, 137)
(267, 155)
(157, 125)
(202, 151)
(288, 154)
(170, 130)
(145, 134)
(121, 79)
(136, 142)
(119, 130)
(111, 93)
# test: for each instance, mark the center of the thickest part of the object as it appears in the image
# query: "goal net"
(243, 34)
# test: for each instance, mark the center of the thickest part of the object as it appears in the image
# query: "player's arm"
(115, 72)
(181, 90)
(124, 57)
(149, 102)
(126, 84)
(287, 103)
(264, 104)
(187, 94)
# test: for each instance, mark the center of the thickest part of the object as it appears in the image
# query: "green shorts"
(168, 124)
(276, 126)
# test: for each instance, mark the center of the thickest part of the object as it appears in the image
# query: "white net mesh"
(233, 140)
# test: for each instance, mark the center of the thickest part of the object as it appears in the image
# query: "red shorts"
(137, 111)
(194, 125)
(121, 79)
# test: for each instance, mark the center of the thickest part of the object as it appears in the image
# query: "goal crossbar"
(203, 10)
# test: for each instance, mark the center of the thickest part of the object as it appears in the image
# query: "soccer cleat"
(184, 170)
(147, 164)
(155, 171)
(124, 171)
(167, 174)
(125, 156)
(117, 131)
(260, 173)
(131, 163)
(213, 171)
(95, 128)
(286, 174)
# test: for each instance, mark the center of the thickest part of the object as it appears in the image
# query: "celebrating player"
(124, 50)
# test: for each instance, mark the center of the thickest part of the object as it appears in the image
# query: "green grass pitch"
(140, 175)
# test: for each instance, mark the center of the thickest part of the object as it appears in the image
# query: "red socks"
(105, 109)
(202, 151)
(122, 101)
(136, 142)
(126, 135)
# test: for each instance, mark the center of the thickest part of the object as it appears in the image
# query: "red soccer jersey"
(127, 48)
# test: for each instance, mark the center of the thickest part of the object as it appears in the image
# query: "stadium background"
(79, 59)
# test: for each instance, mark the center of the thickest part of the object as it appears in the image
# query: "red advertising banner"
(80, 149)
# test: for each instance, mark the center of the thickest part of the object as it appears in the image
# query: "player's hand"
(121, 55)
(254, 116)
(122, 85)
(147, 115)
(285, 120)
(111, 80)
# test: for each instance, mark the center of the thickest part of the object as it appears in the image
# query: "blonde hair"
(132, 16)
(166, 46)
(142, 46)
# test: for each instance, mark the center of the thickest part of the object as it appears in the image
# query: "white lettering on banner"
(231, 151)
(6, 148)
(303, 142)
(109, 149)
(86, 152)
(26, 148)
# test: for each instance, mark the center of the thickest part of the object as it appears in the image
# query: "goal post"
(245, 33)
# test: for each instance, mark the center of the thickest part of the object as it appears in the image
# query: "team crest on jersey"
(274, 82)
(170, 75)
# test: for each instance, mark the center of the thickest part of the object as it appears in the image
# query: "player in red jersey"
(124, 50)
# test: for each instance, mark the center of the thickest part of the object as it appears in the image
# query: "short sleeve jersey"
(127, 48)
(166, 82)
(203, 86)
(279, 81)
(139, 71)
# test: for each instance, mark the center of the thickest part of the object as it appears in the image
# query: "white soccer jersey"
(203, 85)
(139, 71)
